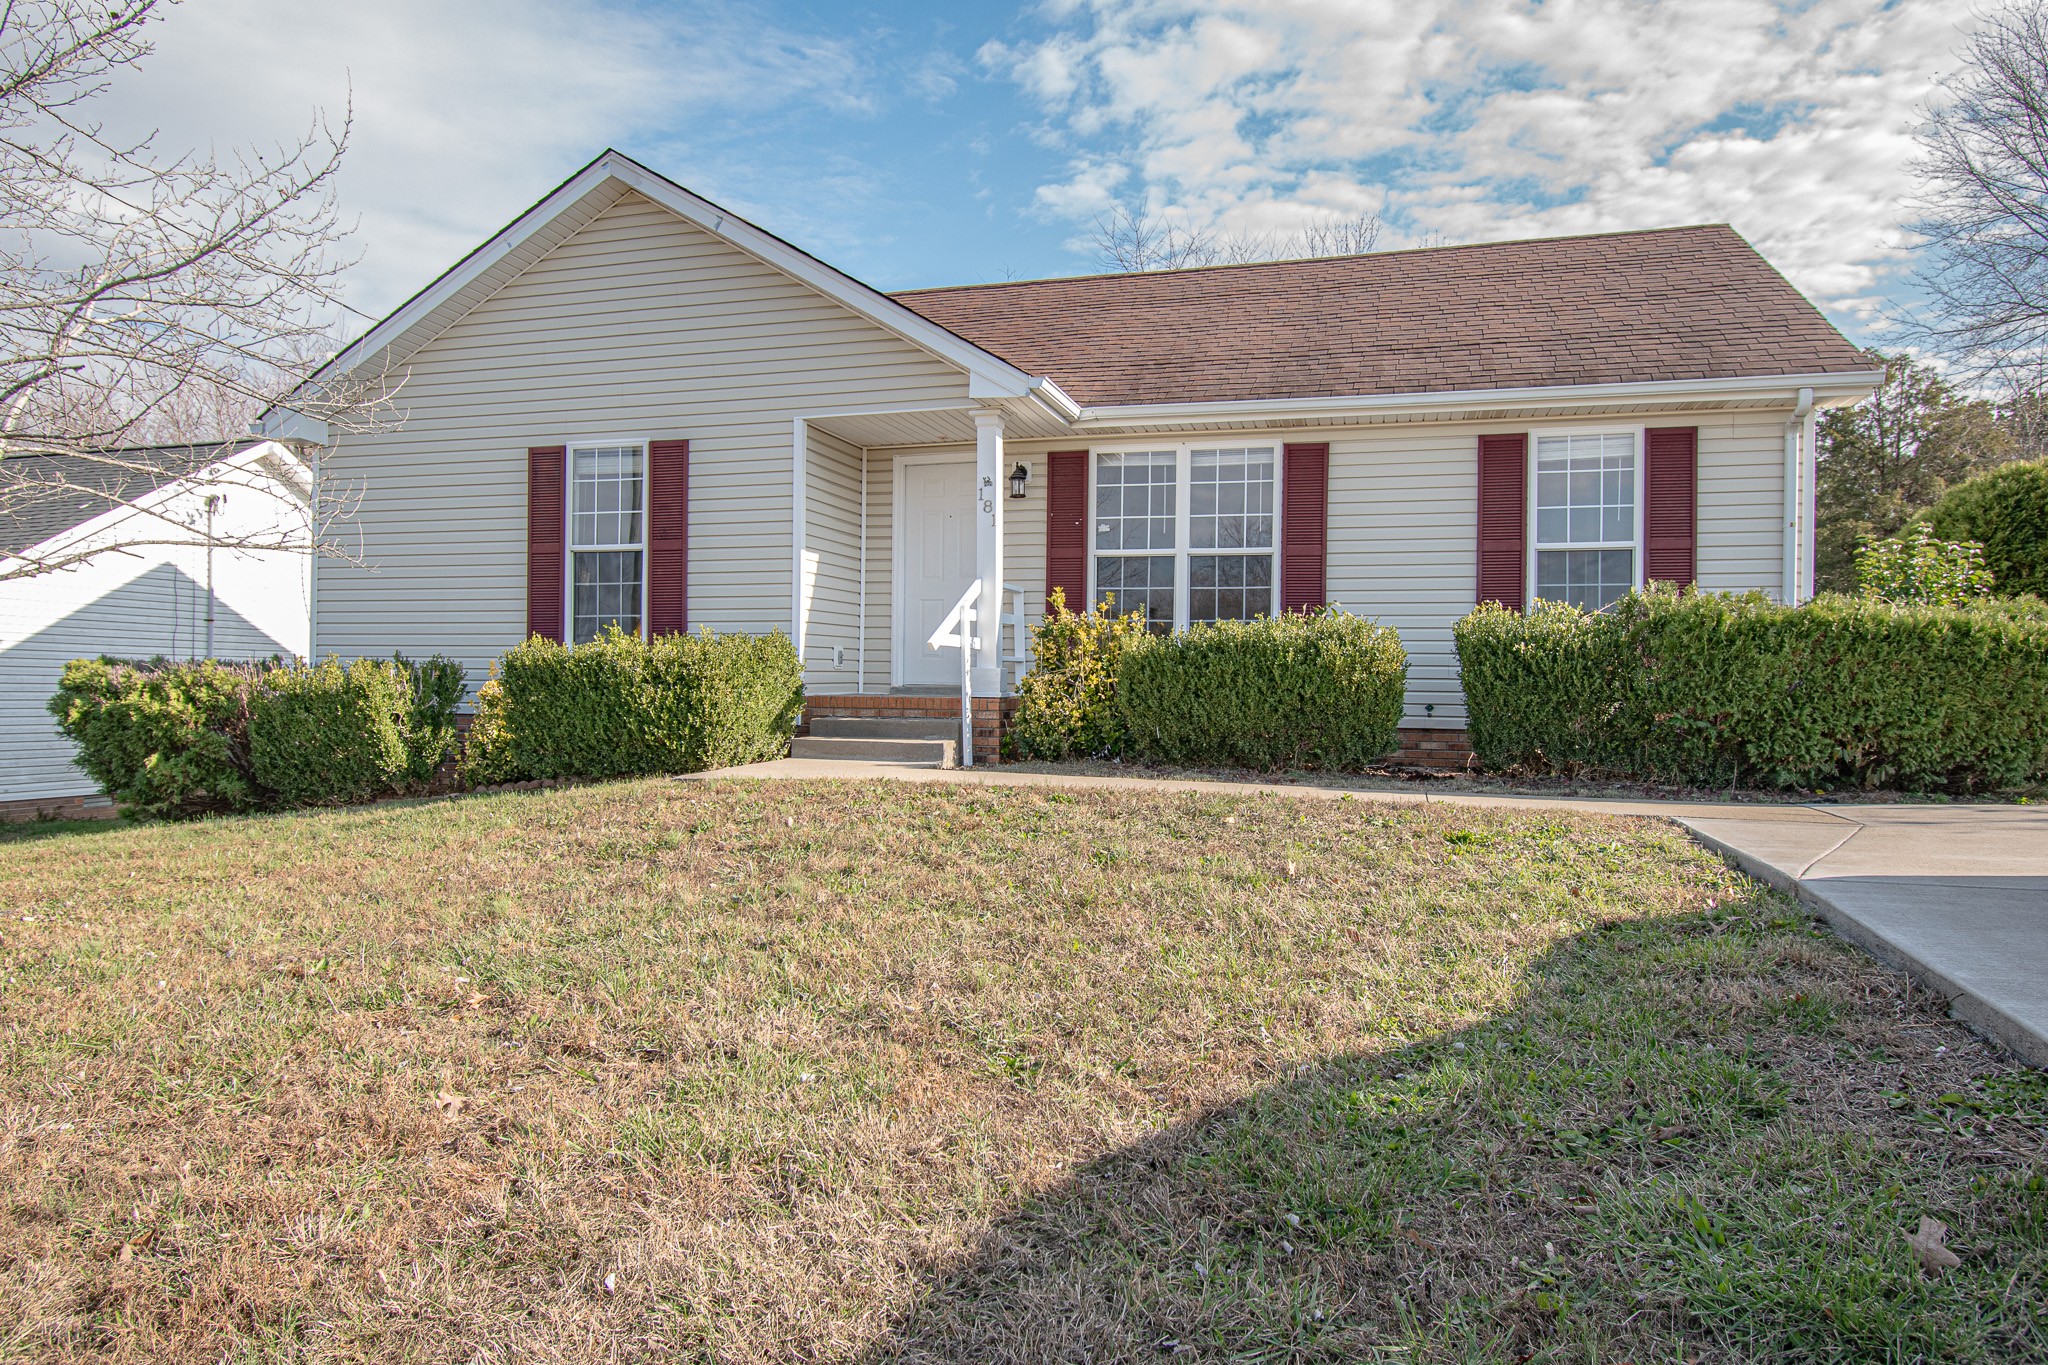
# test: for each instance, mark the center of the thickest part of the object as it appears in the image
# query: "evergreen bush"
(330, 733)
(1066, 704)
(163, 739)
(2005, 511)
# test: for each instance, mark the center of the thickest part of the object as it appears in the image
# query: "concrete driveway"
(1955, 894)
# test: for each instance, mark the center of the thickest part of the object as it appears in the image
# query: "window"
(1586, 518)
(1186, 534)
(606, 550)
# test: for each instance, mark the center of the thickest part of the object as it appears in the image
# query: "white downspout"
(1795, 427)
(860, 625)
(1809, 498)
(799, 460)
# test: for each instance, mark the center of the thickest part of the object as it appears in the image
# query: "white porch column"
(987, 678)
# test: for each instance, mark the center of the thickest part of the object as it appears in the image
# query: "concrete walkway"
(1955, 894)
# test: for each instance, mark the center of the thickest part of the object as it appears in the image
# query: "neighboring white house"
(135, 599)
(632, 405)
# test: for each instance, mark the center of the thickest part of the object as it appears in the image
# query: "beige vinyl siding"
(881, 615)
(1024, 539)
(640, 326)
(1741, 544)
(832, 561)
(1403, 526)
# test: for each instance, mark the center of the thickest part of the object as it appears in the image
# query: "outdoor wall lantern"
(1018, 478)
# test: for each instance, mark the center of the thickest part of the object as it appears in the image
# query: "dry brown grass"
(826, 1071)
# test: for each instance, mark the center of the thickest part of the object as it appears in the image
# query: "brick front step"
(1445, 750)
(991, 715)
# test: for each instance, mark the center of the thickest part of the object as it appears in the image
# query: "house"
(632, 405)
(134, 544)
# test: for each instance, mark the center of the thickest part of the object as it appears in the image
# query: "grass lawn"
(873, 1072)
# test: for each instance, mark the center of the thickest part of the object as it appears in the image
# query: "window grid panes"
(1138, 583)
(606, 589)
(1230, 507)
(1188, 534)
(1134, 501)
(606, 497)
(1229, 587)
(1593, 579)
(1586, 500)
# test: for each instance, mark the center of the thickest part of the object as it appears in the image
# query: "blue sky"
(921, 143)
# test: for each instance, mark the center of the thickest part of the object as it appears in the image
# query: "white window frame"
(570, 549)
(1637, 434)
(1183, 470)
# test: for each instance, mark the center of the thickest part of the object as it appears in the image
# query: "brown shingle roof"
(1677, 303)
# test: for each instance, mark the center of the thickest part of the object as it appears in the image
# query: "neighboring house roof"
(1689, 303)
(41, 497)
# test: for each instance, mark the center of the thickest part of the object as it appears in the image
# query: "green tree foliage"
(1321, 690)
(1066, 704)
(1916, 568)
(1720, 689)
(1889, 457)
(2006, 511)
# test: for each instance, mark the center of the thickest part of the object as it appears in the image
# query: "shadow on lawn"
(1633, 1165)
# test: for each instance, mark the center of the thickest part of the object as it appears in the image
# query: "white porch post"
(987, 679)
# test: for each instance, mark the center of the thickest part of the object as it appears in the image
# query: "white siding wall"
(832, 562)
(638, 326)
(138, 604)
(1403, 524)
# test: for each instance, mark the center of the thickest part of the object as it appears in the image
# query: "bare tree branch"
(1983, 205)
(147, 298)
(1132, 238)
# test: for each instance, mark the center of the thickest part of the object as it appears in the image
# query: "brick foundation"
(1443, 750)
(58, 808)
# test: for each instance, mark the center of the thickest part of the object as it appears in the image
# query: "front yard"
(826, 1071)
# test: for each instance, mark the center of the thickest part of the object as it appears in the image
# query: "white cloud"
(1476, 120)
(465, 110)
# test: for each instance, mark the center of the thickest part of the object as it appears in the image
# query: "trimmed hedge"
(1317, 691)
(621, 705)
(2005, 511)
(1066, 704)
(163, 739)
(171, 739)
(330, 734)
(1716, 689)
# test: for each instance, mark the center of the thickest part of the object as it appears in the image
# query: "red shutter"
(1670, 493)
(1503, 517)
(546, 541)
(1066, 526)
(1304, 525)
(668, 537)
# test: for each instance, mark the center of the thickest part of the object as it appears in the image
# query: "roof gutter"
(1828, 388)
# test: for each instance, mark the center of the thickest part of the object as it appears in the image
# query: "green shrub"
(1917, 568)
(487, 748)
(1316, 691)
(432, 688)
(330, 733)
(1066, 704)
(1723, 689)
(2005, 511)
(624, 705)
(163, 739)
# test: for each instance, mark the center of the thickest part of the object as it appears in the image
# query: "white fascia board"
(153, 502)
(989, 376)
(1841, 386)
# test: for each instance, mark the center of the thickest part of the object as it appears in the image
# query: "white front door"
(935, 561)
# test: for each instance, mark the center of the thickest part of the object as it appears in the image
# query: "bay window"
(1588, 532)
(1186, 534)
(607, 547)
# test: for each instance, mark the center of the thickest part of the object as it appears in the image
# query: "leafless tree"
(1982, 211)
(148, 296)
(1128, 238)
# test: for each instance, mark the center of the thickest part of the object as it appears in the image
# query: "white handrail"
(956, 630)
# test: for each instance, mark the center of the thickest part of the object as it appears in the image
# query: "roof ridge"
(1314, 260)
